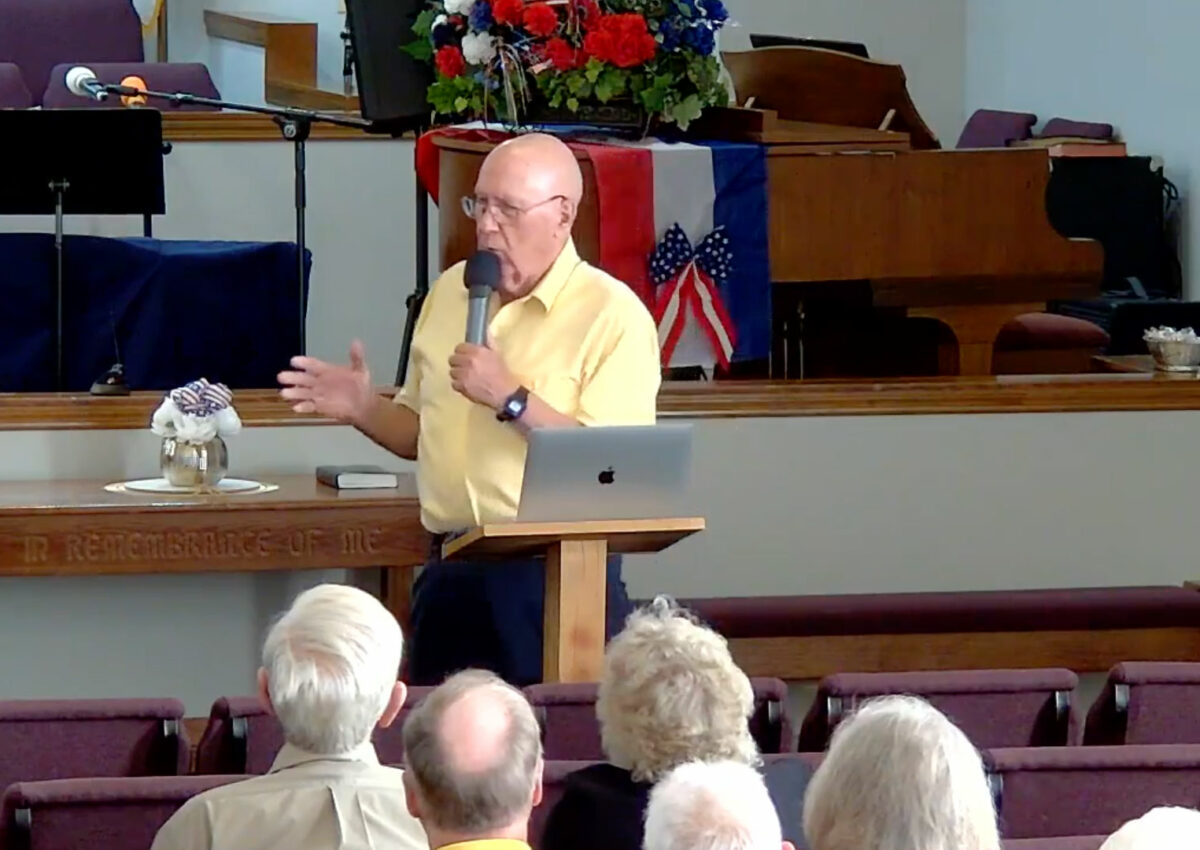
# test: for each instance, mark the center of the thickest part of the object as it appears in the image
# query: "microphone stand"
(295, 125)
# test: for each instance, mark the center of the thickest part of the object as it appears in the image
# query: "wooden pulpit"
(576, 558)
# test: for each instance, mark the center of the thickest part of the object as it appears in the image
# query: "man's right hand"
(343, 393)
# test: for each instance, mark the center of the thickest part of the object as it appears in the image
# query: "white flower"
(478, 48)
(459, 7)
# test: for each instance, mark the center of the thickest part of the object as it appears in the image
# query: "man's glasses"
(502, 211)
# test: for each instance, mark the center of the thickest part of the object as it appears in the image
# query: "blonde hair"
(900, 776)
(671, 693)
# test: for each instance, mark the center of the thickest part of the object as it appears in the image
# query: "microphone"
(134, 100)
(82, 81)
(482, 275)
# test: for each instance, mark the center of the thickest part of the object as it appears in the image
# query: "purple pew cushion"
(1066, 842)
(1082, 609)
(992, 128)
(1050, 331)
(39, 34)
(14, 94)
(189, 77)
(1081, 129)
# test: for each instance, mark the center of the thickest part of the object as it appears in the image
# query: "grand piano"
(871, 223)
(892, 225)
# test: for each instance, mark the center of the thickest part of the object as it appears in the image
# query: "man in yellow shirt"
(473, 756)
(568, 346)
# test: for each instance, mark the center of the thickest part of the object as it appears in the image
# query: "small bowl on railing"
(1174, 351)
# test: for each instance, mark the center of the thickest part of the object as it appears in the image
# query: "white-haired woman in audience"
(900, 776)
(1164, 828)
(670, 694)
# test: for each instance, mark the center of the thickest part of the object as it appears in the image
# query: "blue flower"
(715, 11)
(442, 35)
(481, 15)
(671, 34)
(700, 39)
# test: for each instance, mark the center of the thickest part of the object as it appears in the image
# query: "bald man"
(568, 346)
(473, 750)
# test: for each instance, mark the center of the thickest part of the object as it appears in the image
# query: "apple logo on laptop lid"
(607, 476)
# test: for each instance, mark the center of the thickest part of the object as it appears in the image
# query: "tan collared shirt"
(348, 802)
(581, 341)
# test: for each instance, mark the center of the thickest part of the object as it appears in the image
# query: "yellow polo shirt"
(582, 341)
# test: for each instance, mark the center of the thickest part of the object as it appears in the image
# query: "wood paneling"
(1083, 651)
(705, 400)
(78, 528)
(290, 60)
(242, 127)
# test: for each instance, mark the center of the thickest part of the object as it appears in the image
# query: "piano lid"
(828, 87)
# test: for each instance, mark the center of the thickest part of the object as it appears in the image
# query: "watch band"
(514, 406)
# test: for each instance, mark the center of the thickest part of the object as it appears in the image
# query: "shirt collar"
(292, 756)
(556, 277)
(491, 843)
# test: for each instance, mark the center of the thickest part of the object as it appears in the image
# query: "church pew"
(1084, 629)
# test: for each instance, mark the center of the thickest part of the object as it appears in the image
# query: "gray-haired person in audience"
(474, 753)
(900, 776)
(1164, 828)
(329, 675)
(670, 694)
(721, 805)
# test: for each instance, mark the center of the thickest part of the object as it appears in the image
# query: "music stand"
(81, 162)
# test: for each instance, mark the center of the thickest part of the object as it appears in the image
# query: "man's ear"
(537, 786)
(787, 845)
(264, 691)
(395, 703)
(411, 800)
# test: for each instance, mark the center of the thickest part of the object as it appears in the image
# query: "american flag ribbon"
(201, 398)
(688, 279)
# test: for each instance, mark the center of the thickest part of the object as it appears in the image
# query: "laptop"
(606, 472)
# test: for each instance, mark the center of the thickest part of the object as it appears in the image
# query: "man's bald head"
(527, 196)
(474, 755)
(541, 161)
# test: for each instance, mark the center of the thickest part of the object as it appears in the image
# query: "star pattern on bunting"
(672, 254)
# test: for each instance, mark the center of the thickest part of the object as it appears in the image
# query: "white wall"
(925, 36)
(795, 505)
(1132, 64)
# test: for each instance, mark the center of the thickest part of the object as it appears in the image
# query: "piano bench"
(1047, 343)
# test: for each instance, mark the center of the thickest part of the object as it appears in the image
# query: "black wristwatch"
(514, 406)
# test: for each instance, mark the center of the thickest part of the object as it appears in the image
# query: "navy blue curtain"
(226, 311)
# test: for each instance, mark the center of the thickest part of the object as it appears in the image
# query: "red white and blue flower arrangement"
(505, 59)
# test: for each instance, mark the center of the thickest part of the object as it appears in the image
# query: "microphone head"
(133, 82)
(75, 79)
(482, 274)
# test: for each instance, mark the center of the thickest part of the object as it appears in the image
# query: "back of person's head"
(671, 693)
(330, 665)
(900, 776)
(720, 805)
(473, 757)
(1164, 828)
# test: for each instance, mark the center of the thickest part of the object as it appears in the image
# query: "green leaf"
(423, 25)
(593, 69)
(421, 49)
(612, 83)
(461, 104)
(576, 84)
(573, 104)
(686, 111)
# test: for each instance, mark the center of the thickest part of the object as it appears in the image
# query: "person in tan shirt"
(329, 675)
(474, 751)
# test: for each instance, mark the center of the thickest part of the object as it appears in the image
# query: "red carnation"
(622, 40)
(449, 61)
(540, 20)
(508, 11)
(590, 11)
(561, 54)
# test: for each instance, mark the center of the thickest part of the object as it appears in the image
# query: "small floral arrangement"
(496, 58)
(197, 413)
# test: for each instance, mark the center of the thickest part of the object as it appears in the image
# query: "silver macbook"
(606, 472)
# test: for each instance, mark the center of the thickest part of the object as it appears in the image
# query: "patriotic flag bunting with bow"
(686, 281)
